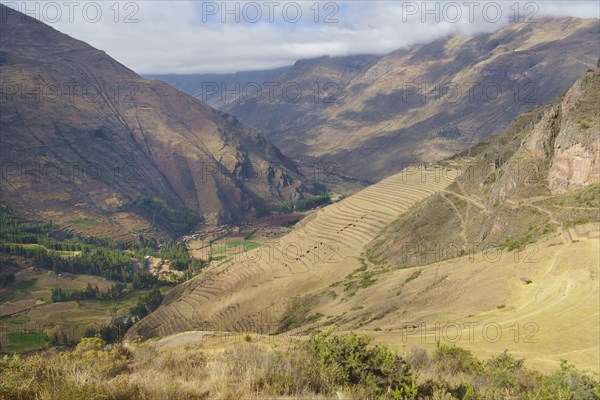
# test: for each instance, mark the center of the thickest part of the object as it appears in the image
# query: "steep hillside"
(213, 88)
(466, 89)
(86, 139)
(541, 174)
(298, 101)
(255, 290)
(483, 254)
(426, 103)
(284, 103)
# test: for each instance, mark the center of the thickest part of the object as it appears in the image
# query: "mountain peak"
(85, 137)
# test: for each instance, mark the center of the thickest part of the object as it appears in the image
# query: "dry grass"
(259, 285)
(256, 371)
(247, 371)
(554, 317)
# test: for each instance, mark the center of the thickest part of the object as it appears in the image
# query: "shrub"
(419, 358)
(413, 276)
(315, 369)
(69, 375)
(569, 383)
(454, 359)
(349, 361)
(448, 132)
(6, 279)
(297, 313)
(508, 375)
(312, 202)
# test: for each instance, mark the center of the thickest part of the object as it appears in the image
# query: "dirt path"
(462, 220)
(466, 198)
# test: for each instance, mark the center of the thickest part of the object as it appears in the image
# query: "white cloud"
(201, 36)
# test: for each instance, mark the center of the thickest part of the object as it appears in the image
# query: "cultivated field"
(539, 302)
(255, 290)
(28, 317)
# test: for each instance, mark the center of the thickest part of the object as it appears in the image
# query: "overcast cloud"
(215, 36)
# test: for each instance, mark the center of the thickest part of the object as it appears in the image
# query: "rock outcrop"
(576, 153)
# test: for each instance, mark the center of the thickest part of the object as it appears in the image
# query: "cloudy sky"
(217, 36)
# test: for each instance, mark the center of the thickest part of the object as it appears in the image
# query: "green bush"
(304, 204)
(347, 361)
(512, 243)
(448, 132)
(318, 368)
(177, 219)
(312, 202)
(413, 276)
(6, 279)
(569, 383)
(453, 359)
(297, 313)
(507, 373)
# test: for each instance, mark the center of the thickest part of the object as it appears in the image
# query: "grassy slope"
(502, 197)
(497, 223)
(557, 314)
(261, 285)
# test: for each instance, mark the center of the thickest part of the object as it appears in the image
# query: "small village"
(235, 230)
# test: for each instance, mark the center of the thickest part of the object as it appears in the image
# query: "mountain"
(259, 286)
(213, 88)
(284, 103)
(94, 147)
(503, 235)
(541, 174)
(374, 114)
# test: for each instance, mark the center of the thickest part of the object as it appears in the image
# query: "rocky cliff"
(575, 160)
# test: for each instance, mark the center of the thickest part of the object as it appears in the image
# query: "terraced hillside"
(504, 256)
(262, 287)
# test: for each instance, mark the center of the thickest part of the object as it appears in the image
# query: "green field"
(32, 249)
(24, 341)
(29, 318)
(247, 245)
(101, 289)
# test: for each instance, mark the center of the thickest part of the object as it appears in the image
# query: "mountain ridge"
(423, 103)
(89, 135)
(476, 239)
